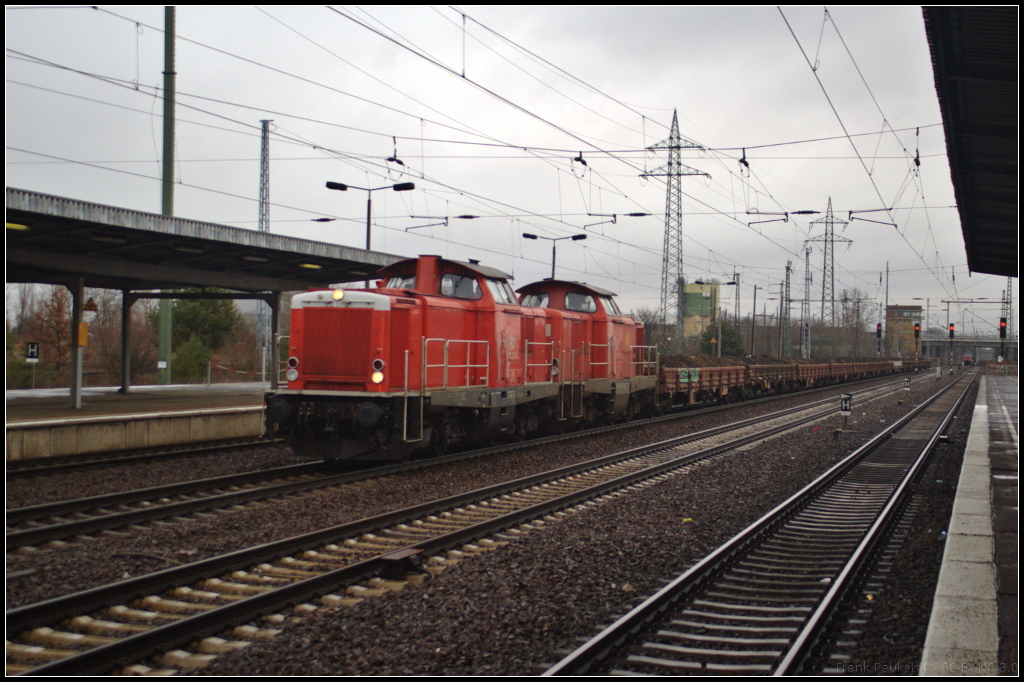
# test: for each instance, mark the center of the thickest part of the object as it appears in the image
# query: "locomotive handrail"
(447, 366)
(645, 366)
(282, 365)
(607, 363)
(405, 401)
(540, 364)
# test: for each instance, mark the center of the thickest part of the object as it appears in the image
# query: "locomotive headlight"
(292, 374)
(293, 362)
(338, 294)
(377, 377)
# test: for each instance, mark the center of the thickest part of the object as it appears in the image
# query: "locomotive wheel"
(442, 439)
(441, 445)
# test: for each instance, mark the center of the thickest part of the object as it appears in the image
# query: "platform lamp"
(575, 238)
(342, 187)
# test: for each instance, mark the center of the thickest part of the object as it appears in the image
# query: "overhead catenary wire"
(599, 187)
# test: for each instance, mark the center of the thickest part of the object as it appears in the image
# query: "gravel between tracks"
(519, 609)
(898, 622)
(532, 607)
(22, 492)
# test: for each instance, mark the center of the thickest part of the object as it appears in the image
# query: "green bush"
(191, 361)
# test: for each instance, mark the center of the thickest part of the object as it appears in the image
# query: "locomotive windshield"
(610, 307)
(460, 286)
(535, 300)
(581, 303)
(502, 292)
(402, 282)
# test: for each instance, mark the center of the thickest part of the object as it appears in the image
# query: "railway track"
(764, 602)
(64, 464)
(168, 608)
(59, 521)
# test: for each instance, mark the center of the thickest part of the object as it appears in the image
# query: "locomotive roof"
(484, 270)
(588, 287)
(493, 273)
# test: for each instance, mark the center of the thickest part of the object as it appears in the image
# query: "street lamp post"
(575, 238)
(400, 187)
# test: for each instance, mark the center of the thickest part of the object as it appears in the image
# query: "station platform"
(40, 423)
(973, 628)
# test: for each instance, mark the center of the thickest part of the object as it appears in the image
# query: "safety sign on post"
(32, 358)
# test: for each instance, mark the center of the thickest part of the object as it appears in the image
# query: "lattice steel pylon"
(805, 308)
(828, 300)
(672, 263)
(264, 222)
(786, 302)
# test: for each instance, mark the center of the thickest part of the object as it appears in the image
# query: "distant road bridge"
(939, 347)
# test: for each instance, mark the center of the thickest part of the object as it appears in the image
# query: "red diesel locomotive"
(443, 352)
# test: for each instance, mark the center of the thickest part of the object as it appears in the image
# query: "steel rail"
(599, 646)
(809, 641)
(133, 647)
(62, 464)
(61, 531)
(49, 509)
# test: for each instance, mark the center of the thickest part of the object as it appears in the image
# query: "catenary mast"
(671, 312)
(828, 298)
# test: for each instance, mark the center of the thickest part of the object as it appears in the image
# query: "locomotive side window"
(402, 282)
(511, 293)
(610, 307)
(501, 291)
(460, 286)
(535, 300)
(581, 303)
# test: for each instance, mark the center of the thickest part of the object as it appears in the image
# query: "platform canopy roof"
(974, 57)
(52, 239)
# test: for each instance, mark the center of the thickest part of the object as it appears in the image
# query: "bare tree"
(654, 330)
(50, 326)
(105, 338)
(20, 301)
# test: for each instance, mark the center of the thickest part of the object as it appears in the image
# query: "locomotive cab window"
(460, 286)
(580, 303)
(402, 282)
(502, 292)
(610, 307)
(535, 300)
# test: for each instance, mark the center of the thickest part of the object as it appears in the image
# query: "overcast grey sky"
(488, 106)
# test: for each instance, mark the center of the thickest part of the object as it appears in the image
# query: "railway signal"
(1002, 327)
(917, 330)
(951, 326)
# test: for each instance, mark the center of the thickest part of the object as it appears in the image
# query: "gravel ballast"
(110, 557)
(511, 611)
(520, 608)
(46, 488)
